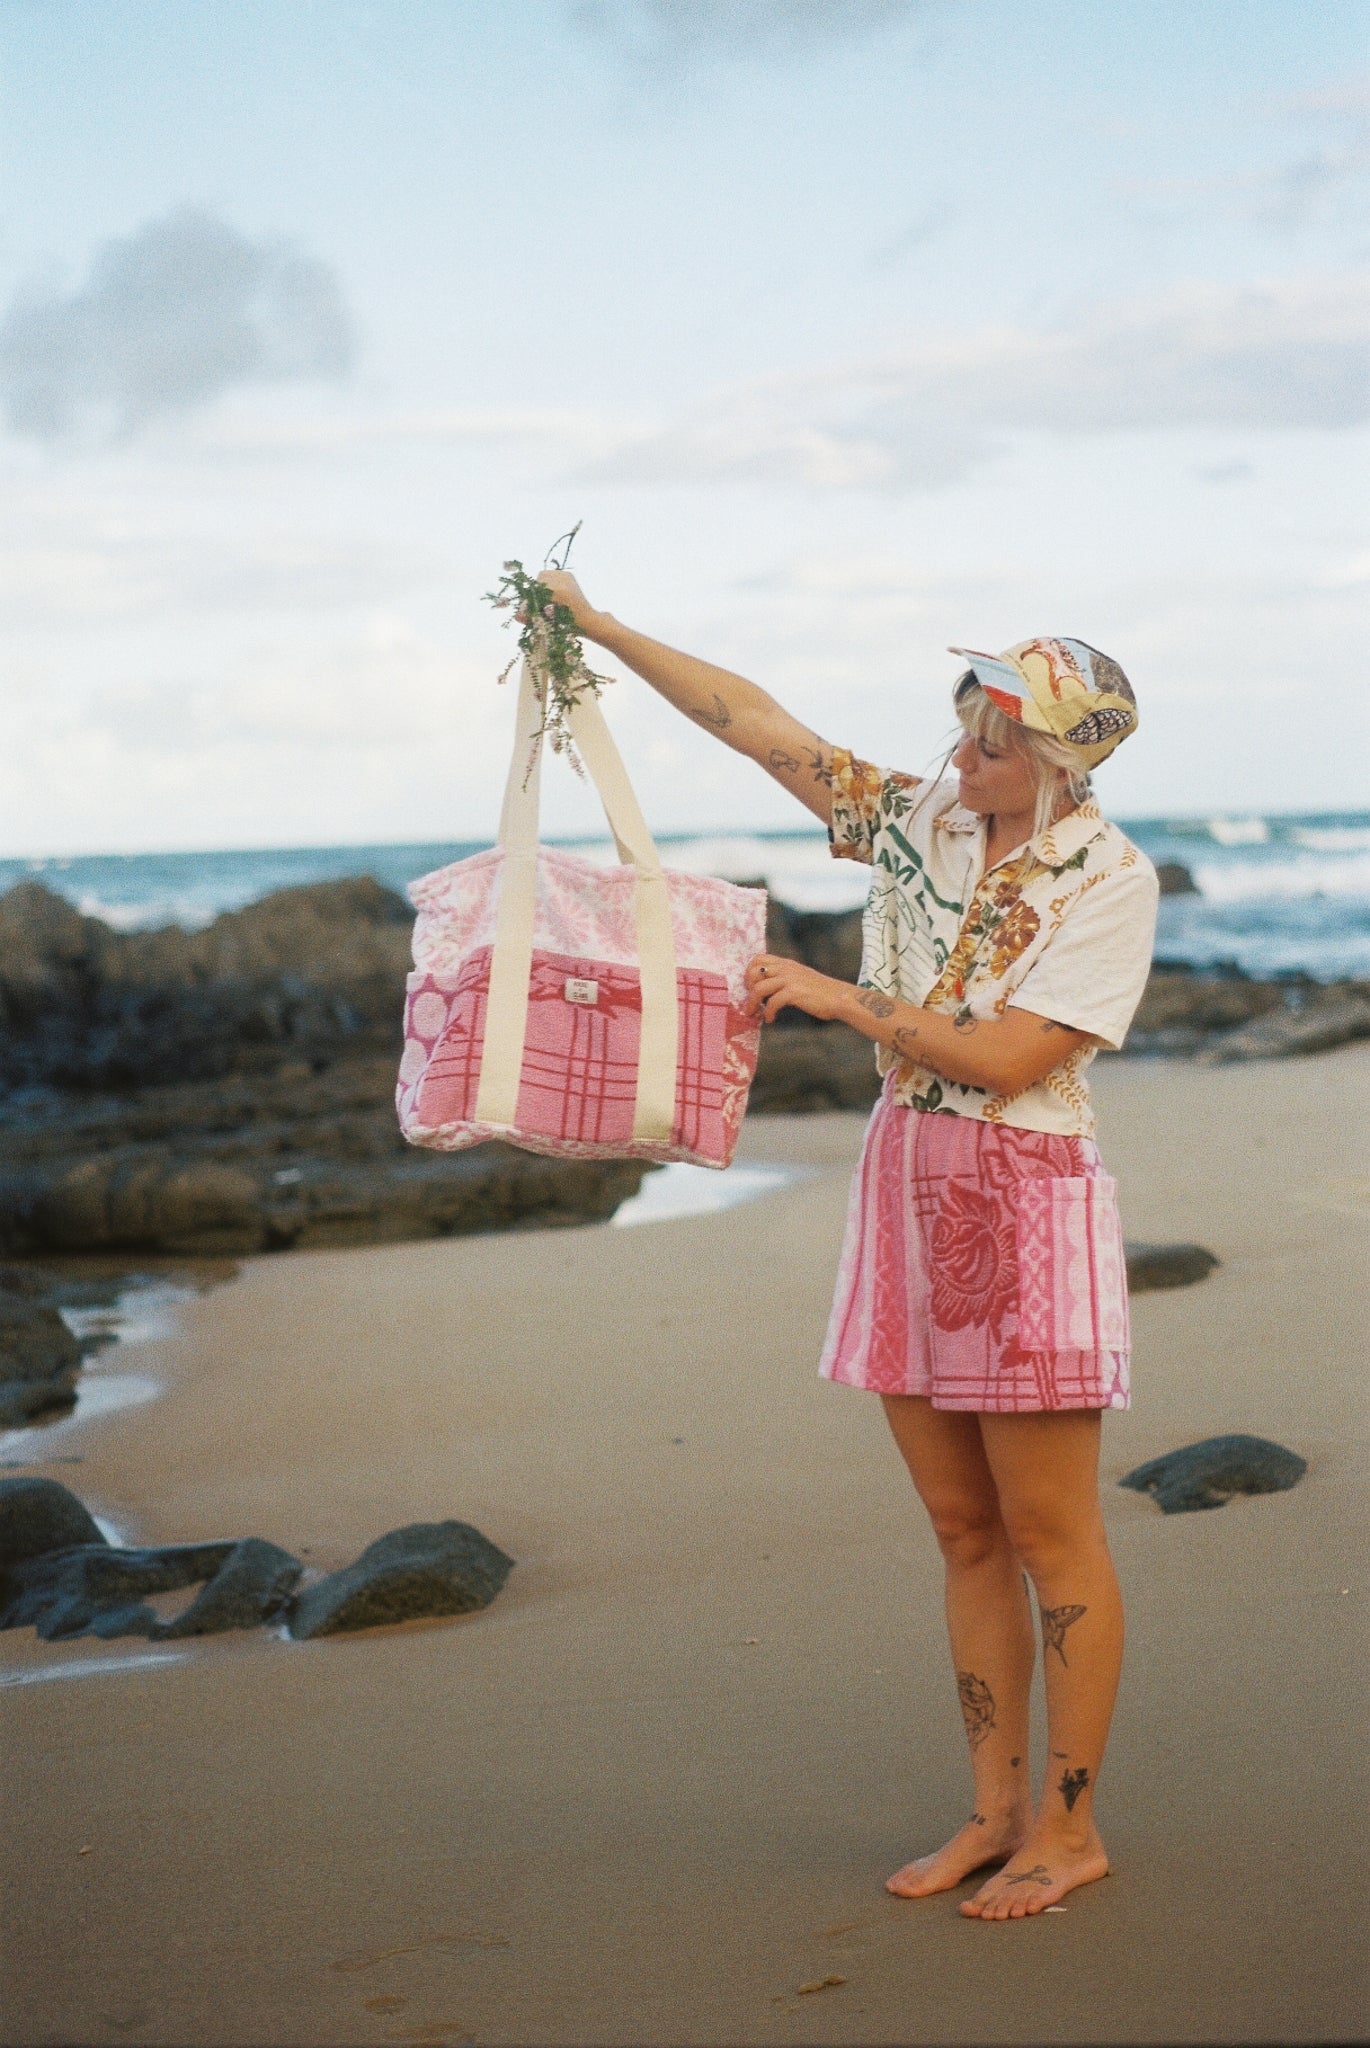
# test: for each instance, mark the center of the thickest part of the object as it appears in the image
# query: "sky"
(850, 329)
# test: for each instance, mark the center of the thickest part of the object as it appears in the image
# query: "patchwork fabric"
(1062, 687)
(579, 1073)
(982, 1268)
(579, 1076)
(1062, 927)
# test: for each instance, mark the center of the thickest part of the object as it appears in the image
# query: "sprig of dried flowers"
(548, 641)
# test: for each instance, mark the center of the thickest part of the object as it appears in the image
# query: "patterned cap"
(1061, 687)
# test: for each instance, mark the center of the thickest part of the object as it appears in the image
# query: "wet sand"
(657, 1786)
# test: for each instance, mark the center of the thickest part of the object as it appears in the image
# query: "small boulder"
(1175, 879)
(428, 1568)
(35, 1344)
(39, 1515)
(251, 1585)
(1167, 1265)
(23, 1401)
(1207, 1474)
(66, 1593)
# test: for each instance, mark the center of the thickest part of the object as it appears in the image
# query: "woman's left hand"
(774, 985)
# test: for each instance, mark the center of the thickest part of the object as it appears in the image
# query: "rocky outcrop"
(39, 1515)
(303, 973)
(426, 1569)
(1316, 1020)
(39, 1360)
(1151, 1266)
(59, 1576)
(1175, 879)
(1208, 1474)
(231, 1090)
(95, 1589)
(265, 1163)
(252, 1585)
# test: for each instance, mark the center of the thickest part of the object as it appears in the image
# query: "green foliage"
(549, 643)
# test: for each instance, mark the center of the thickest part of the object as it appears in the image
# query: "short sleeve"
(857, 787)
(1091, 973)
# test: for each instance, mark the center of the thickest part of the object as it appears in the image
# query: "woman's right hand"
(567, 591)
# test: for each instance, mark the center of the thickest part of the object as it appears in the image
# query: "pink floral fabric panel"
(941, 1290)
(579, 1077)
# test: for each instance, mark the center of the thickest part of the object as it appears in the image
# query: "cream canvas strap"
(506, 1011)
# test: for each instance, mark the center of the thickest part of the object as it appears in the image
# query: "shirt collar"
(1063, 840)
(1059, 843)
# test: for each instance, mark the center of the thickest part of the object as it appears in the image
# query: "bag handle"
(506, 1011)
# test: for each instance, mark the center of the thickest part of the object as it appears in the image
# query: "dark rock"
(1316, 1022)
(35, 1344)
(242, 1192)
(814, 1067)
(1207, 1474)
(1175, 879)
(38, 1516)
(426, 1569)
(63, 1592)
(251, 1585)
(304, 969)
(132, 1620)
(26, 1401)
(1167, 1265)
(1178, 998)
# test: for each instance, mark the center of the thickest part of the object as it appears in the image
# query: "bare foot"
(983, 1839)
(1048, 1865)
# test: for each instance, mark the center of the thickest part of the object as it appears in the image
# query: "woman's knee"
(1046, 1536)
(968, 1528)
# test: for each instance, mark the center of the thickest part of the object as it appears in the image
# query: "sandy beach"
(656, 1788)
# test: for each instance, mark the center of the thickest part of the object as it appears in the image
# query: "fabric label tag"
(581, 991)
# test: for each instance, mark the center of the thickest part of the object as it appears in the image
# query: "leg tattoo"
(977, 1706)
(1055, 1622)
(1072, 1785)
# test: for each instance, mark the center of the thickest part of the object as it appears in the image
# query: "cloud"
(170, 316)
(93, 570)
(674, 32)
(1283, 356)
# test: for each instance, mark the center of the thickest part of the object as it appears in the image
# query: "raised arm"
(728, 706)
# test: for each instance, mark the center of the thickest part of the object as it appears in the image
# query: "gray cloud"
(170, 316)
(678, 31)
(1283, 356)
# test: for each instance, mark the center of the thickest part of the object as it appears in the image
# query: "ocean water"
(1277, 894)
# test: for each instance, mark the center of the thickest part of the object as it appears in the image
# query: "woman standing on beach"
(982, 1291)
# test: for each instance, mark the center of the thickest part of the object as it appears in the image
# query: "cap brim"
(992, 672)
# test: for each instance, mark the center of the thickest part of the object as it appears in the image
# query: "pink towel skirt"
(982, 1268)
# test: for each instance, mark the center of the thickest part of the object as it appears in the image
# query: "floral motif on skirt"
(982, 1268)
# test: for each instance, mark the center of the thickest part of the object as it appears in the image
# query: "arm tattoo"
(978, 1820)
(964, 1023)
(1039, 1874)
(820, 760)
(1072, 1785)
(977, 1706)
(1055, 1622)
(904, 1038)
(778, 758)
(879, 1005)
(718, 718)
(1050, 1026)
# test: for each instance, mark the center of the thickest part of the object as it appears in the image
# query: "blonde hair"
(1057, 770)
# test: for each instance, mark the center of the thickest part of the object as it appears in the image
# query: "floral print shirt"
(1063, 927)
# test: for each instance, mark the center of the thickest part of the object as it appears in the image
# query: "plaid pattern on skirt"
(982, 1268)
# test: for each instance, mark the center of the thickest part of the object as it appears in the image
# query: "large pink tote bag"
(572, 1008)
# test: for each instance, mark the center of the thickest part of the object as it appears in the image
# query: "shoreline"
(713, 1694)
